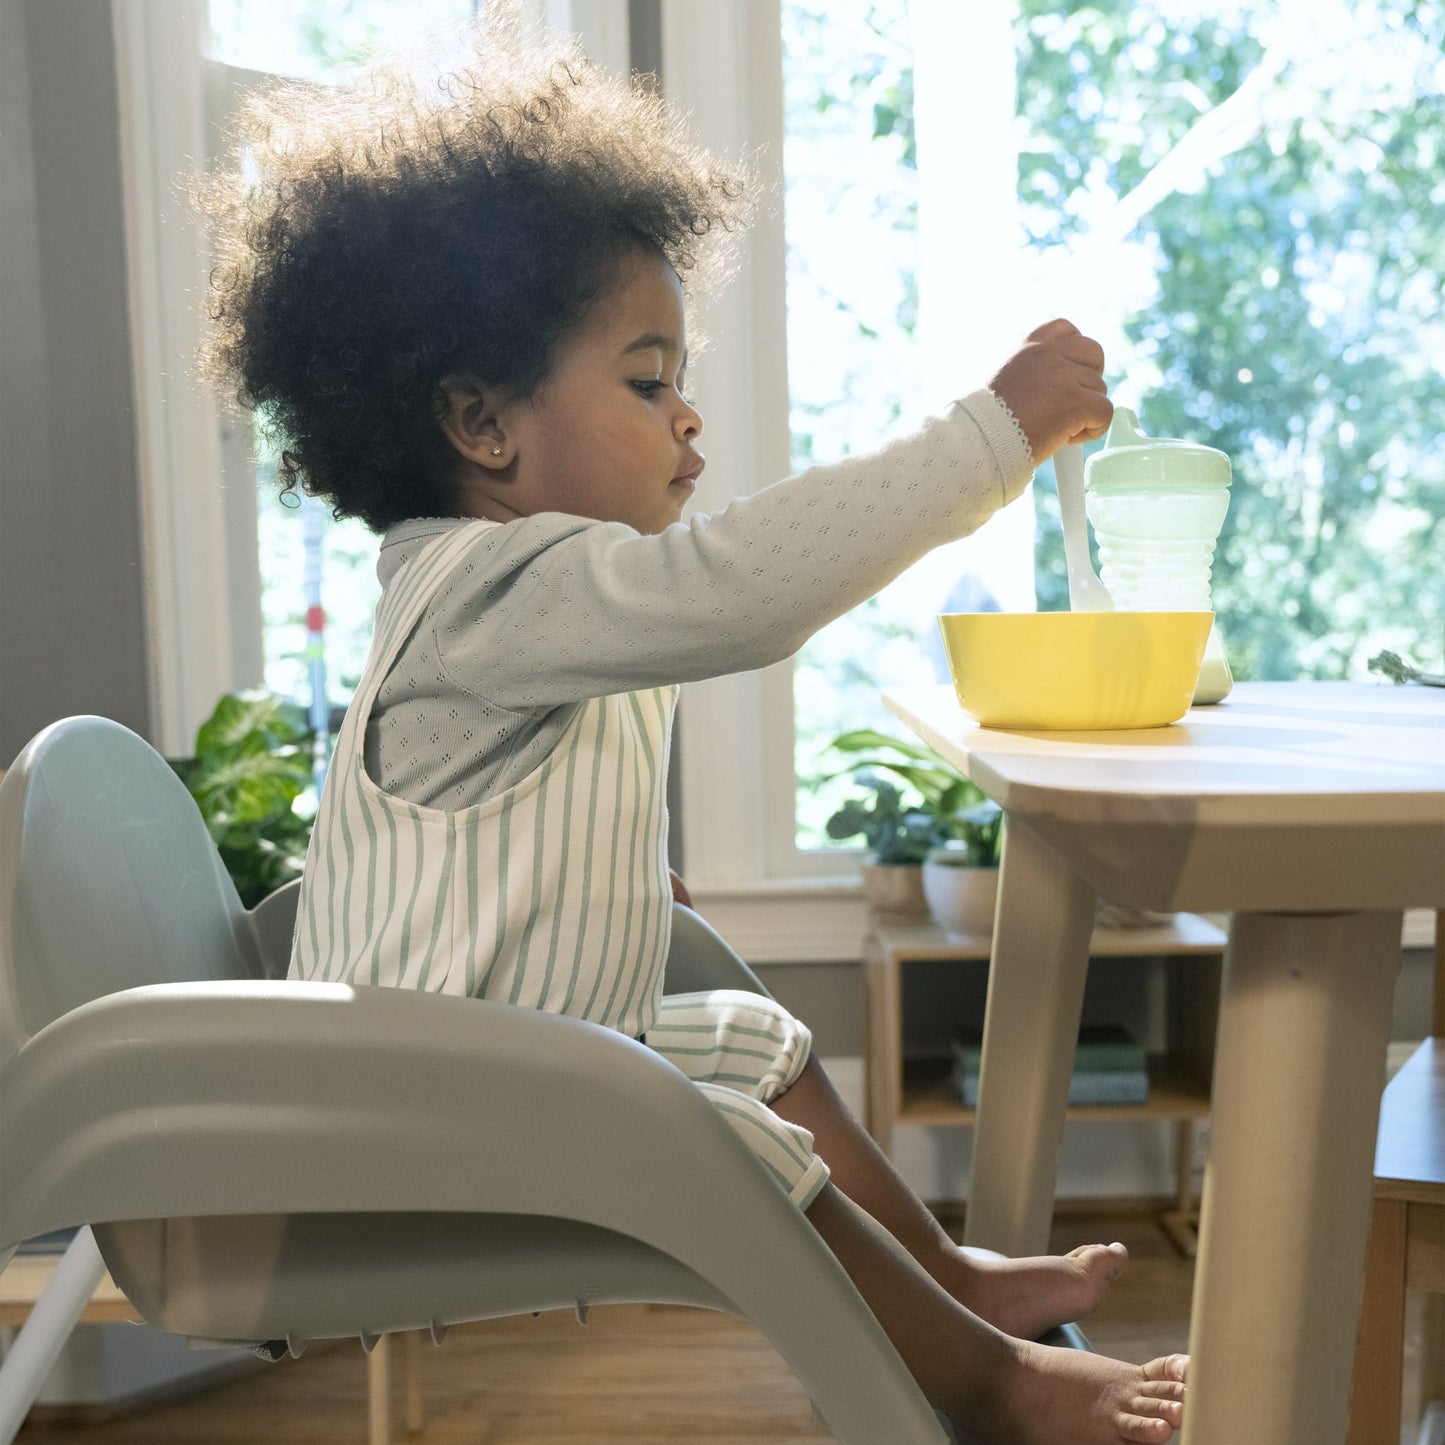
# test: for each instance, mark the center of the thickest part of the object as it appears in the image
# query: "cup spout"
(1124, 430)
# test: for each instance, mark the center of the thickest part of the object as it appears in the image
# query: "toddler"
(463, 312)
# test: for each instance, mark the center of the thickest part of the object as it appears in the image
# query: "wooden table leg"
(1432, 1339)
(1303, 1028)
(378, 1392)
(1030, 1031)
(1182, 1222)
(884, 1084)
(1380, 1357)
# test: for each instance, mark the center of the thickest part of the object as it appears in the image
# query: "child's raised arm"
(552, 609)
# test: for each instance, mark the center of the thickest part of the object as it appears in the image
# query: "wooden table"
(1314, 813)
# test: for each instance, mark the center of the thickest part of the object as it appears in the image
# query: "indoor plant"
(252, 766)
(913, 803)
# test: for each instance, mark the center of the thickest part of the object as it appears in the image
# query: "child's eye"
(648, 389)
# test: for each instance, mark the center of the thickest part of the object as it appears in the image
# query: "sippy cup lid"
(1130, 458)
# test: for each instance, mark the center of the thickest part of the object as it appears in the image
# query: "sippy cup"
(1157, 505)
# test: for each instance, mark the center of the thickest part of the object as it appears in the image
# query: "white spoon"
(1086, 592)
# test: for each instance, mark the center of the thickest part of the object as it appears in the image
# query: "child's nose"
(688, 422)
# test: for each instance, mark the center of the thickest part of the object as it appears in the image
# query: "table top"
(1362, 749)
(1353, 774)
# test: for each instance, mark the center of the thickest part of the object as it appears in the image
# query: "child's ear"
(471, 422)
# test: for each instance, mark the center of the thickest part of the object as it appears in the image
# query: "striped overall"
(552, 895)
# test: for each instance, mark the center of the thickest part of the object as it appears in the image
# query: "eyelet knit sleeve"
(557, 609)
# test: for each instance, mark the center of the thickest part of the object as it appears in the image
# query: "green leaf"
(862, 739)
(251, 786)
(250, 722)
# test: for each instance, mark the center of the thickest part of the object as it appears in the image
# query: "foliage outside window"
(1256, 190)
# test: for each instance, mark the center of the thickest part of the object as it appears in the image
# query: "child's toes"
(1139, 1430)
(1168, 1367)
(1169, 1392)
(1156, 1411)
(1102, 1261)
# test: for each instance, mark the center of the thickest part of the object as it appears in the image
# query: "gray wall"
(830, 999)
(72, 598)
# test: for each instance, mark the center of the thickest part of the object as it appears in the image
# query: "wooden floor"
(616, 1381)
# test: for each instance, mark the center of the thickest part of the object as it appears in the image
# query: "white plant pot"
(961, 900)
(894, 888)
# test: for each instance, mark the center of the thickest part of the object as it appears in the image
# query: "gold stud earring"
(496, 451)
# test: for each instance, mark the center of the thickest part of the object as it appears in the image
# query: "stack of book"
(1109, 1068)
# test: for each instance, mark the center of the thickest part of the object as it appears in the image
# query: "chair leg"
(45, 1331)
(378, 1390)
(1380, 1353)
(411, 1380)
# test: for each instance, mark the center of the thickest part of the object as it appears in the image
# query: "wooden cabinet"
(909, 1085)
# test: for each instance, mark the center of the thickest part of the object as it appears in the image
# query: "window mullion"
(161, 135)
(723, 61)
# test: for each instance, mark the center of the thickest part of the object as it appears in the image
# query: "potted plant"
(252, 766)
(913, 804)
(960, 877)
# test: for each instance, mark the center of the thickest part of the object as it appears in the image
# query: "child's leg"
(996, 1390)
(1022, 1297)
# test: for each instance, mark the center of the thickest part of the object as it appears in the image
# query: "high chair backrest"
(89, 802)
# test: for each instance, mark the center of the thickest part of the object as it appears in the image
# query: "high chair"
(267, 1161)
(1407, 1239)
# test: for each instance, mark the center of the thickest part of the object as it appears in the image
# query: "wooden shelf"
(914, 1089)
(929, 1097)
(25, 1277)
(920, 938)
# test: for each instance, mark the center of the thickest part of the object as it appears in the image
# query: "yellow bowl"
(1075, 671)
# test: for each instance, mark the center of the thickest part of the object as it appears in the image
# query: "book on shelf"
(1109, 1068)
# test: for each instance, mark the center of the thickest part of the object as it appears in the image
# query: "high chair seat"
(262, 1160)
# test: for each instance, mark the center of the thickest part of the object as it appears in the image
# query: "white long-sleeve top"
(550, 610)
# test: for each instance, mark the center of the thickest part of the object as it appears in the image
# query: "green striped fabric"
(553, 895)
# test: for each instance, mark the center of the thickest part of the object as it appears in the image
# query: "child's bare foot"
(1028, 1297)
(1068, 1397)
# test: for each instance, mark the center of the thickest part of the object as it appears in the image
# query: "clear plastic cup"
(1156, 505)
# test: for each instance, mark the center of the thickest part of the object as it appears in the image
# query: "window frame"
(196, 462)
(161, 130)
(723, 62)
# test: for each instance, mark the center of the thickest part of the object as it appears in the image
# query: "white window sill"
(825, 920)
(808, 920)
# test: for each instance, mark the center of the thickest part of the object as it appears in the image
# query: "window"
(317, 585)
(1262, 266)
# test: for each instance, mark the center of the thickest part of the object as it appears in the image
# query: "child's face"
(609, 434)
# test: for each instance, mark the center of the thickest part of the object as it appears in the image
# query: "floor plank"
(634, 1375)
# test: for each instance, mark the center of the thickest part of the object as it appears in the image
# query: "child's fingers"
(1052, 330)
(1084, 351)
(1054, 385)
(1096, 421)
(1068, 341)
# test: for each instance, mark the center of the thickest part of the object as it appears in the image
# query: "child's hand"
(1055, 386)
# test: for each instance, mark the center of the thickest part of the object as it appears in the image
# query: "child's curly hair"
(380, 237)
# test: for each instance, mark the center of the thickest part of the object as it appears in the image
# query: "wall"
(1098, 1161)
(72, 594)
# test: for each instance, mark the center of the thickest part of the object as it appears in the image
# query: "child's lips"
(688, 480)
